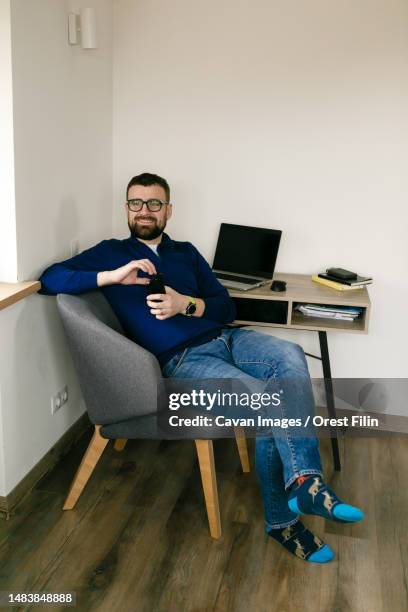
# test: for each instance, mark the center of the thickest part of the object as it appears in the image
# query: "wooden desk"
(301, 289)
(263, 307)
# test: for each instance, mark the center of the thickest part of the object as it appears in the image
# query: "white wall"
(63, 168)
(291, 115)
(63, 132)
(8, 246)
(34, 364)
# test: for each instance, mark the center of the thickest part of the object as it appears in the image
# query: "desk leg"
(328, 385)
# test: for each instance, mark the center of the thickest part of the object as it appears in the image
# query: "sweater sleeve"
(77, 274)
(218, 304)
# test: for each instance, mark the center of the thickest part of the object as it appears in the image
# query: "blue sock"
(299, 541)
(313, 496)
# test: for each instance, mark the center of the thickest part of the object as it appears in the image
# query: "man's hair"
(146, 180)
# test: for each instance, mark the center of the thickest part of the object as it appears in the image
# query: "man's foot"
(313, 496)
(299, 541)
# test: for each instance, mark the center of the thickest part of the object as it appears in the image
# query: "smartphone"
(156, 285)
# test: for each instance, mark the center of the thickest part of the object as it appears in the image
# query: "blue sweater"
(183, 268)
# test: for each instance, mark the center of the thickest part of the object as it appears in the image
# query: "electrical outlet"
(64, 395)
(59, 399)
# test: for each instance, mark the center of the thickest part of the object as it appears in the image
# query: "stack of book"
(344, 313)
(342, 284)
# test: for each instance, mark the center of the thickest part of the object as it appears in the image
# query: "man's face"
(144, 224)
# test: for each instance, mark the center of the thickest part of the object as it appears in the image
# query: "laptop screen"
(247, 250)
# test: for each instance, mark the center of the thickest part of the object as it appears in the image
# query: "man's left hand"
(166, 305)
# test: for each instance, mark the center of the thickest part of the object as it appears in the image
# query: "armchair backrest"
(119, 379)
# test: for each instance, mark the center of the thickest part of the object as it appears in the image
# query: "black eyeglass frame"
(148, 204)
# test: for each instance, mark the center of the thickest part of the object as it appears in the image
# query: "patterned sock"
(313, 496)
(299, 541)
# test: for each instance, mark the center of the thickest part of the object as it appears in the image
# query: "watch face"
(191, 308)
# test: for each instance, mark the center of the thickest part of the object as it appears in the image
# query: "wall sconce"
(85, 25)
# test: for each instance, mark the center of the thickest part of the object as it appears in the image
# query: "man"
(186, 329)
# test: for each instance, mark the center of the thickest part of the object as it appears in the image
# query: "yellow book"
(334, 285)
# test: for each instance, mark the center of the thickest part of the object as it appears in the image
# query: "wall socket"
(59, 399)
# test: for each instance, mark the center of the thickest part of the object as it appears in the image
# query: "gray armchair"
(123, 390)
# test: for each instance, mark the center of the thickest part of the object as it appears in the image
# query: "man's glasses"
(153, 205)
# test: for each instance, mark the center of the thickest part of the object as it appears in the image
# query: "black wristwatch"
(191, 307)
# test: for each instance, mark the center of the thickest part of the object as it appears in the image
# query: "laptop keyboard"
(239, 279)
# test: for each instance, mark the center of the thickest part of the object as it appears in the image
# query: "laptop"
(245, 256)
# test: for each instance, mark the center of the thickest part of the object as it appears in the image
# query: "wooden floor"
(138, 539)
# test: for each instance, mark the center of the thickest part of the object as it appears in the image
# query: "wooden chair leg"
(206, 460)
(242, 448)
(120, 444)
(88, 463)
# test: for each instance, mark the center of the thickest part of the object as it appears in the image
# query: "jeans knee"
(295, 350)
(296, 357)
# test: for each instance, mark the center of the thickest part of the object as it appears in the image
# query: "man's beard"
(147, 232)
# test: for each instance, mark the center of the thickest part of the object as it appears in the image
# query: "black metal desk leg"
(328, 385)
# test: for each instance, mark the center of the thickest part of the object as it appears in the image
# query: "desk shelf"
(300, 321)
(252, 306)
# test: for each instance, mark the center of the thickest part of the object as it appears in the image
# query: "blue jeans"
(248, 355)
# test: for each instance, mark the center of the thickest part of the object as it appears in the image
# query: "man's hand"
(128, 274)
(166, 305)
